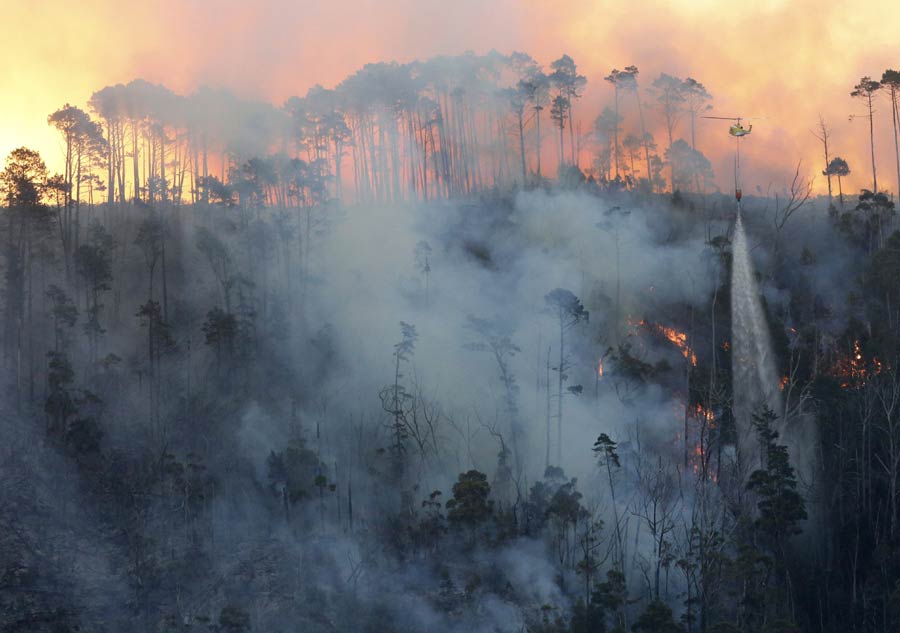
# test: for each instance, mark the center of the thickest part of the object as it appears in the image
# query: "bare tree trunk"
(165, 284)
(562, 147)
(616, 131)
(572, 134)
(162, 164)
(547, 456)
(637, 96)
(135, 161)
(872, 144)
(522, 148)
(78, 202)
(111, 164)
(824, 139)
(120, 136)
(559, 402)
(895, 120)
(29, 268)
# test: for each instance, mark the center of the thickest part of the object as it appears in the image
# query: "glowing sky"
(787, 60)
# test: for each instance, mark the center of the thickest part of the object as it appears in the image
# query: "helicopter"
(738, 131)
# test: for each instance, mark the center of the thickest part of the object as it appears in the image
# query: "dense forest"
(362, 362)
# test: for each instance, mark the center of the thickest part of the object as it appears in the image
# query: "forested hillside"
(362, 363)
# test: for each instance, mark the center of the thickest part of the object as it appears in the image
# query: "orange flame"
(853, 369)
(677, 338)
(600, 368)
(697, 438)
(703, 413)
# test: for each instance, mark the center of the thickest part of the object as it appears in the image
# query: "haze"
(788, 61)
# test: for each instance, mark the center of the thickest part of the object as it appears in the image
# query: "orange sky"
(787, 60)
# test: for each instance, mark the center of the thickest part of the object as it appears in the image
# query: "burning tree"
(674, 336)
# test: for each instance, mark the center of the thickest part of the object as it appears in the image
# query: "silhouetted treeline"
(433, 129)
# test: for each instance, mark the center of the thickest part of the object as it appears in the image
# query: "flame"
(676, 337)
(703, 413)
(726, 346)
(679, 339)
(698, 453)
(697, 456)
(783, 382)
(600, 368)
(698, 434)
(854, 369)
